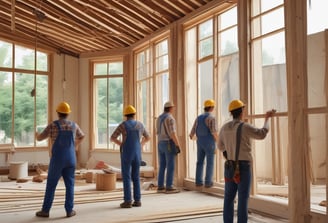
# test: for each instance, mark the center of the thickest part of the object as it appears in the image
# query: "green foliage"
(110, 100)
(24, 105)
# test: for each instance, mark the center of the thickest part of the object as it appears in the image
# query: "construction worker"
(168, 148)
(64, 136)
(228, 144)
(206, 129)
(132, 131)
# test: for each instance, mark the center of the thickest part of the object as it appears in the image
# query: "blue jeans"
(243, 189)
(203, 151)
(166, 162)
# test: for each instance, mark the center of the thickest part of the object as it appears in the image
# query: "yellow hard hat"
(128, 110)
(209, 103)
(235, 104)
(63, 107)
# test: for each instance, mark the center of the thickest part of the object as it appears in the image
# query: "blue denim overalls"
(205, 147)
(130, 161)
(62, 163)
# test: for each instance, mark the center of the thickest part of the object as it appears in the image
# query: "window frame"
(34, 72)
(108, 146)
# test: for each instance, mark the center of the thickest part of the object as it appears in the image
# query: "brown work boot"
(42, 214)
(172, 190)
(71, 214)
(136, 204)
(161, 190)
(126, 204)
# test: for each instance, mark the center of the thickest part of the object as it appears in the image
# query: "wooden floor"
(20, 201)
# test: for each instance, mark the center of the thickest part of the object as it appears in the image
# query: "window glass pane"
(109, 107)
(101, 112)
(206, 29)
(228, 18)
(230, 83)
(5, 107)
(260, 6)
(24, 58)
(162, 63)
(42, 61)
(100, 69)
(162, 58)
(272, 155)
(205, 47)
(142, 65)
(116, 67)
(144, 106)
(317, 16)
(115, 103)
(228, 41)
(6, 54)
(277, 16)
(273, 49)
(161, 48)
(269, 76)
(24, 110)
(318, 141)
(206, 80)
(41, 105)
(266, 5)
(316, 75)
(162, 89)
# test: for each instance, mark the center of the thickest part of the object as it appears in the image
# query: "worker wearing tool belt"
(168, 148)
(206, 130)
(132, 131)
(65, 135)
(227, 144)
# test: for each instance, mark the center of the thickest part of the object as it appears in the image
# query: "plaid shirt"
(168, 127)
(120, 130)
(51, 130)
(210, 122)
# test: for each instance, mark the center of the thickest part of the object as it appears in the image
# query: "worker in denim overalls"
(206, 130)
(132, 131)
(65, 135)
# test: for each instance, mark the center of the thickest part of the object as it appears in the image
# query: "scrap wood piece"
(21, 180)
(38, 178)
(323, 203)
(179, 214)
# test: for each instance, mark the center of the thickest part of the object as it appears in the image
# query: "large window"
(269, 91)
(23, 94)
(108, 100)
(228, 66)
(199, 77)
(152, 83)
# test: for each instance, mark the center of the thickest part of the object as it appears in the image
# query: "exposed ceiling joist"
(86, 26)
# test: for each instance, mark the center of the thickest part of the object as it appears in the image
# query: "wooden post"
(296, 64)
(243, 18)
(326, 75)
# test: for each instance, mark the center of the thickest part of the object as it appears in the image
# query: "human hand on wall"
(270, 114)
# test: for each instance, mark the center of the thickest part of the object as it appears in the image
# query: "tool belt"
(231, 171)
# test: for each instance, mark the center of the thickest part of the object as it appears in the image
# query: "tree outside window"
(24, 95)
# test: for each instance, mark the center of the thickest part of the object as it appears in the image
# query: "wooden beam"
(13, 15)
(326, 79)
(296, 64)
